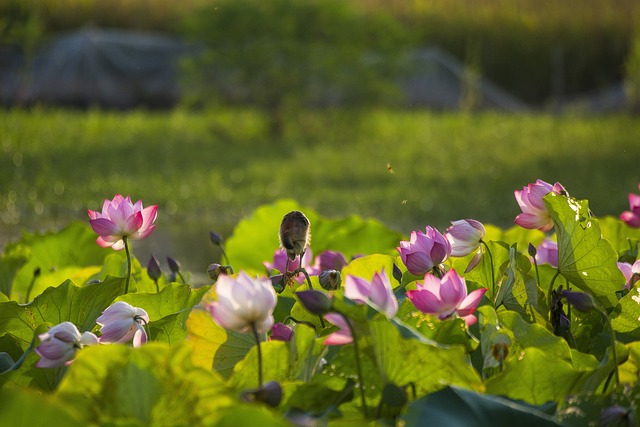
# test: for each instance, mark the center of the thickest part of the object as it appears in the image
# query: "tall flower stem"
(36, 273)
(145, 325)
(306, 275)
(613, 345)
(358, 367)
(224, 255)
(493, 274)
(128, 277)
(257, 337)
(535, 263)
(553, 280)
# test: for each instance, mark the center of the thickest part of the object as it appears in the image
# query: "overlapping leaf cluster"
(508, 367)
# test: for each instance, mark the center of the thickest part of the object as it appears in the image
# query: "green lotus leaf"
(584, 258)
(456, 406)
(152, 385)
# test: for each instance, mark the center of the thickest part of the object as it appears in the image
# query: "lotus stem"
(553, 280)
(128, 276)
(257, 337)
(358, 367)
(493, 275)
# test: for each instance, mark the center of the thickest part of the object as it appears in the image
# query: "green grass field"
(207, 170)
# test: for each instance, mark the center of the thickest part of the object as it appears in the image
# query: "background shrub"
(284, 54)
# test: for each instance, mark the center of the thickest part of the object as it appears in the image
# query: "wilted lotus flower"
(465, 236)
(295, 234)
(59, 345)
(424, 251)
(119, 219)
(446, 297)
(534, 212)
(121, 322)
(243, 302)
(631, 272)
(343, 335)
(632, 216)
(378, 291)
(280, 262)
(547, 253)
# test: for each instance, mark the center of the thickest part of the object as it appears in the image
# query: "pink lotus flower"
(630, 272)
(59, 345)
(330, 260)
(243, 303)
(465, 236)
(280, 261)
(343, 335)
(632, 217)
(534, 212)
(547, 253)
(119, 219)
(121, 322)
(424, 251)
(446, 297)
(378, 291)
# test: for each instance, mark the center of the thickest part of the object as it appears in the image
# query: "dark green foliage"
(283, 54)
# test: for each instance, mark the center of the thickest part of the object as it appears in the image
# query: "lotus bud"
(281, 332)
(215, 270)
(617, 416)
(330, 280)
(397, 273)
(153, 269)
(216, 239)
(581, 301)
(174, 265)
(269, 393)
(315, 302)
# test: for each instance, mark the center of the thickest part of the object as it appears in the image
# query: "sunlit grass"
(408, 169)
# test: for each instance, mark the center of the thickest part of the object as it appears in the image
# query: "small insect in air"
(390, 168)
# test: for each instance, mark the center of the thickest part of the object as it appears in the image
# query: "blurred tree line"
(256, 51)
(282, 55)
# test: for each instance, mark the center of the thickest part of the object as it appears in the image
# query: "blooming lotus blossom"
(534, 212)
(119, 219)
(446, 297)
(465, 236)
(378, 291)
(59, 345)
(243, 302)
(424, 251)
(632, 216)
(343, 335)
(280, 262)
(121, 322)
(547, 253)
(630, 272)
